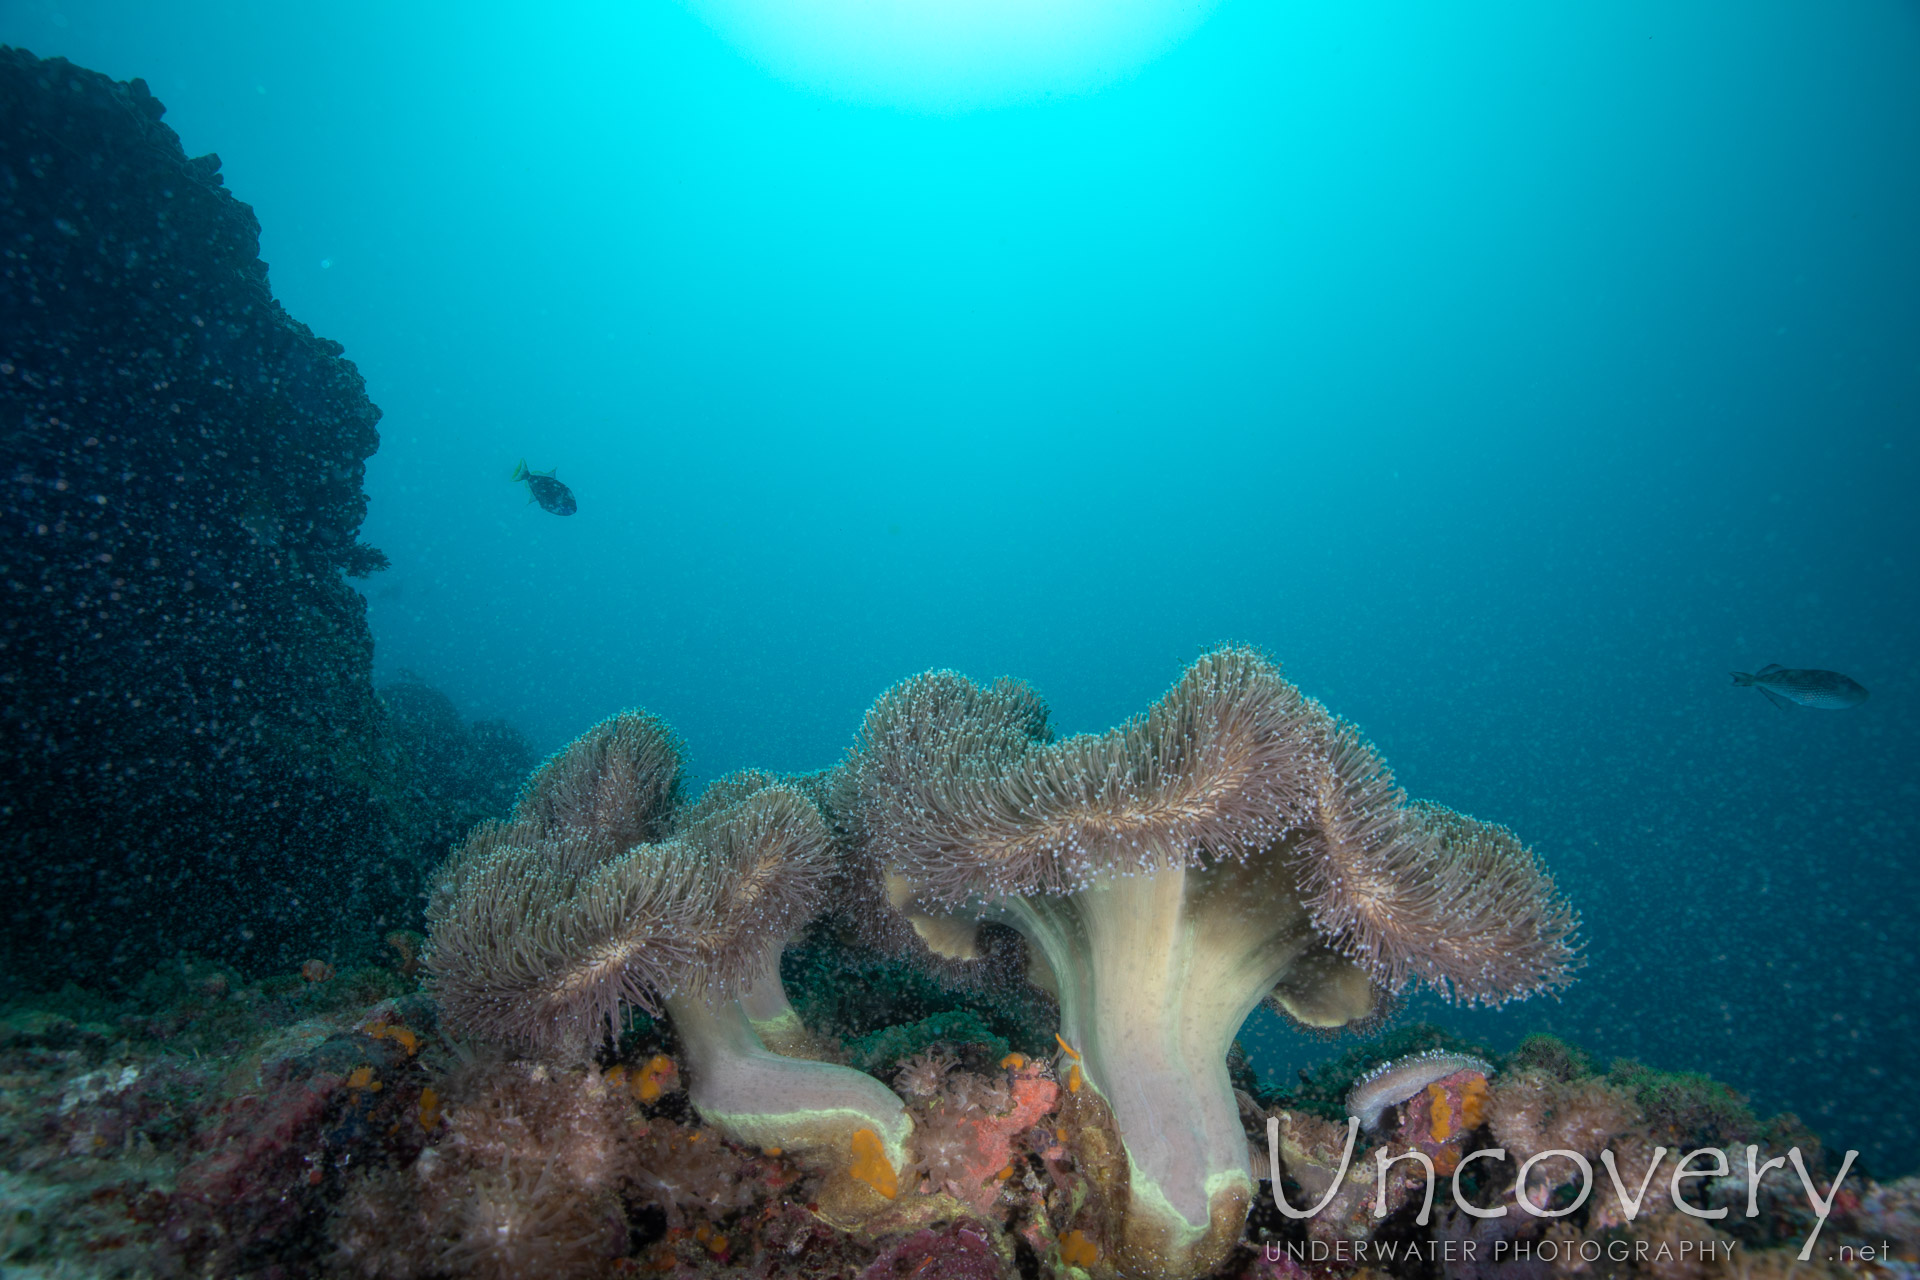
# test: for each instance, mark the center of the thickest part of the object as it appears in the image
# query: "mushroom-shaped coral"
(593, 899)
(543, 926)
(1235, 843)
(769, 858)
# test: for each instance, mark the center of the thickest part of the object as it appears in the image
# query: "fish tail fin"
(519, 473)
(1743, 678)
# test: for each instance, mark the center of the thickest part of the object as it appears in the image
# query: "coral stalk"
(1156, 973)
(767, 1099)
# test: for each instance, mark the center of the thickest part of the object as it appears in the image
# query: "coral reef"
(967, 1125)
(525, 1178)
(446, 774)
(187, 668)
(206, 1125)
(1892, 1213)
(960, 1252)
(593, 1066)
(201, 1125)
(1236, 843)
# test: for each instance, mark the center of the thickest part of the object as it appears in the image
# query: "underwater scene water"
(517, 518)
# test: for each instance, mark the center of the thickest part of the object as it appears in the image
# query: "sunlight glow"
(952, 55)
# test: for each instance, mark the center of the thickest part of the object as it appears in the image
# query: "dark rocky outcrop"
(448, 774)
(192, 752)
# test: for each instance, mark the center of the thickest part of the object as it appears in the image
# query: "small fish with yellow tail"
(547, 490)
(1827, 690)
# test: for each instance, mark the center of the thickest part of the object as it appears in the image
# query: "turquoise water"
(1512, 374)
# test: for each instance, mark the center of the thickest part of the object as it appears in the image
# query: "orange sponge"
(1078, 1251)
(870, 1163)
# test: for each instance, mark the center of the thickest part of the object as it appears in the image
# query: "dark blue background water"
(1513, 373)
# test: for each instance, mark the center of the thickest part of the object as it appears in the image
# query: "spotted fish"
(547, 490)
(1828, 690)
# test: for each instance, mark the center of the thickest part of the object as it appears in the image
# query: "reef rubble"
(207, 1125)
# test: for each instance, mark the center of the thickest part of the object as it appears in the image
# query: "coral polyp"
(546, 937)
(619, 780)
(1415, 890)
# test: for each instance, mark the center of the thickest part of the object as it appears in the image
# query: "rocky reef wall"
(191, 744)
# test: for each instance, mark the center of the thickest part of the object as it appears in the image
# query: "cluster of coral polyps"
(604, 1074)
(1236, 843)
